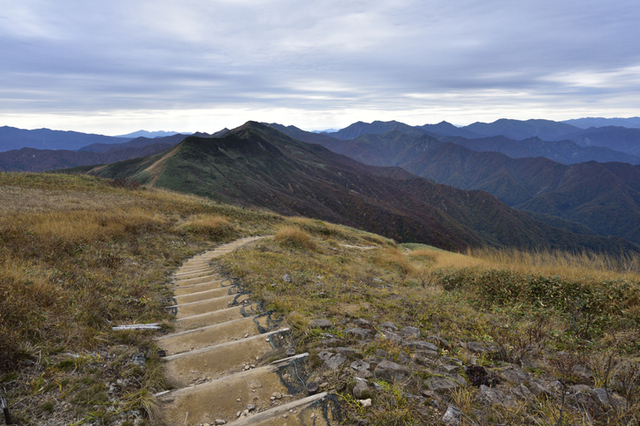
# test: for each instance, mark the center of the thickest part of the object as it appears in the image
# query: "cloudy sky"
(117, 66)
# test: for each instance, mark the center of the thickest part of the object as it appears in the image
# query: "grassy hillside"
(260, 166)
(494, 321)
(80, 255)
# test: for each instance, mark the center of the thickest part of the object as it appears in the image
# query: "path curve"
(215, 359)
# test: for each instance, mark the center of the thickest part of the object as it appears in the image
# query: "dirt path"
(218, 357)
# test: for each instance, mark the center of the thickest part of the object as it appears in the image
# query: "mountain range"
(589, 198)
(261, 166)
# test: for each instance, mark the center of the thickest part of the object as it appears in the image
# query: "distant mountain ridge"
(12, 138)
(147, 134)
(261, 166)
(587, 122)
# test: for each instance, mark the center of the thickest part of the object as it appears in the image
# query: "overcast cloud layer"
(120, 65)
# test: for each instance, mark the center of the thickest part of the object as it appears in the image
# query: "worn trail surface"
(226, 359)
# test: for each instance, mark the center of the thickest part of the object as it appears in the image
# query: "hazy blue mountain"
(12, 138)
(447, 129)
(518, 130)
(147, 134)
(135, 143)
(375, 128)
(587, 122)
(616, 138)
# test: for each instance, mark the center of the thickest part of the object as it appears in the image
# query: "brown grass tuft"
(216, 227)
(294, 238)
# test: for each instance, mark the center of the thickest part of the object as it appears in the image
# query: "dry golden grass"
(294, 238)
(569, 265)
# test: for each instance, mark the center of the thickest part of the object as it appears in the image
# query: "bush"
(294, 238)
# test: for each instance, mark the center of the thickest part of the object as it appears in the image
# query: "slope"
(260, 166)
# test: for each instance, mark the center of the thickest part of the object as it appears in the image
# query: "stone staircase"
(218, 358)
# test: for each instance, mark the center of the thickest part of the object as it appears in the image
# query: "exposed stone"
(607, 398)
(381, 353)
(359, 365)
(580, 388)
(449, 369)
(411, 332)
(325, 355)
(477, 347)
(490, 396)
(391, 336)
(523, 392)
(452, 416)
(582, 372)
(362, 323)
(513, 375)
(420, 345)
(540, 389)
(290, 352)
(220, 422)
(440, 384)
(404, 359)
(335, 362)
(331, 342)
(362, 390)
(312, 388)
(365, 402)
(359, 333)
(439, 341)
(388, 325)
(286, 278)
(345, 351)
(392, 372)
(321, 323)
(251, 407)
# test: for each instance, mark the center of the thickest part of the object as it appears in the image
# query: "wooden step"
(206, 294)
(226, 358)
(208, 336)
(204, 306)
(317, 410)
(209, 285)
(218, 399)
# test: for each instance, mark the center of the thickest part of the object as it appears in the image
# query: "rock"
(321, 323)
(345, 351)
(365, 402)
(335, 362)
(540, 389)
(140, 359)
(580, 388)
(582, 372)
(439, 341)
(387, 325)
(453, 416)
(523, 392)
(220, 422)
(392, 372)
(449, 369)
(490, 396)
(607, 398)
(477, 347)
(286, 278)
(362, 390)
(251, 407)
(290, 352)
(514, 376)
(363, 323)
(404, 359)
(325, 355)
(391, 336)
(440, 384)
(411, 332)
(359, 333)
(381, 353)
(359, 365)
(312, 388)
(331, 342)
(420, 345)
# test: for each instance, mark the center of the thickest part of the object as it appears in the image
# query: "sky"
(117, 66)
